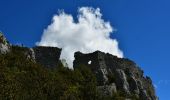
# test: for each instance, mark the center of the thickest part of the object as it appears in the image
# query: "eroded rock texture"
(4, 44)
(116, 74)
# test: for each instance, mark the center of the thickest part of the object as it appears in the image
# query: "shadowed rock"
(124, 73)
(46, 56)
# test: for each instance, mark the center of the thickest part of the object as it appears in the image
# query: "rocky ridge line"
(114, 75)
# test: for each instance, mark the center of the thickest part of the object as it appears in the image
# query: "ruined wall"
(4, 44)
(46, 56)
(93, 61)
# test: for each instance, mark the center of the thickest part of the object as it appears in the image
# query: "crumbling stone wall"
(95, 61)
(46, 56)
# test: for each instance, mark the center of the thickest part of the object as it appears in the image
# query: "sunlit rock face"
(4, 44)
(116, 74)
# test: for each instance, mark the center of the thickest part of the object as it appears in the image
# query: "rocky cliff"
(117, 75)
(114, 75)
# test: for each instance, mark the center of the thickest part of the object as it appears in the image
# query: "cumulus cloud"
(89, 33)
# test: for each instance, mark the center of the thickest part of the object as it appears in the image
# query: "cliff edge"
(117, 75)
(114, 76)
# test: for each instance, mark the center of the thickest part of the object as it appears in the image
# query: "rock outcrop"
(4, 44)
(46, 56)
(114, 75)
(117, 74)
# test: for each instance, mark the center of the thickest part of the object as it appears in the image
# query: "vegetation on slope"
(23, 79)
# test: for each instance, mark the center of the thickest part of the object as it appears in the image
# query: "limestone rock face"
(126, 76)
(4, 44)
(107, 90)
(121, 81)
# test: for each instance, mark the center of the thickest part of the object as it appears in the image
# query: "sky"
(142, 29)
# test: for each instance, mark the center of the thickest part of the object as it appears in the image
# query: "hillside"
(38, 74)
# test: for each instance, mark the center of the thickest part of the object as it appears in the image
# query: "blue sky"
(143, 29)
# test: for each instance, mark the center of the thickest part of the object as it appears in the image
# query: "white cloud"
(88, 34)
